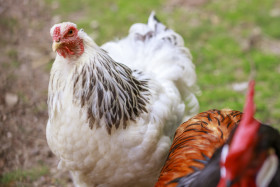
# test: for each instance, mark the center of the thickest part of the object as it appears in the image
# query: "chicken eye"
(70, 32)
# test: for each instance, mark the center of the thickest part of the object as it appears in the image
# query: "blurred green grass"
(20, 176)
(231, 42)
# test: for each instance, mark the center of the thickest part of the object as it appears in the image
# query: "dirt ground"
(24, 72)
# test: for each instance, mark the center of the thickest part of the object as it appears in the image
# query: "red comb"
(248, 127)
(240, 149)
(56, 33)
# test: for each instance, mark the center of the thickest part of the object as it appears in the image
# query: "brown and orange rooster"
(243, 156)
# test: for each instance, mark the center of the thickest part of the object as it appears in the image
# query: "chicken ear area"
(244, 138)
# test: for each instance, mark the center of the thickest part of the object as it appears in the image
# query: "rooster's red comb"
(244, 137)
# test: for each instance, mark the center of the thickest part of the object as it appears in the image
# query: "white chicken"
(113, 110)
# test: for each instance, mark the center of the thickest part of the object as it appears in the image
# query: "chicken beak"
(55, 45)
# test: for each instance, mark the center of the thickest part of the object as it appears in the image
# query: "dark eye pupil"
(70, 32)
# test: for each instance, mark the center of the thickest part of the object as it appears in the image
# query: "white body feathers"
(104, 143)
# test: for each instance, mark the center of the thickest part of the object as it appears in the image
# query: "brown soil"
(24, 73)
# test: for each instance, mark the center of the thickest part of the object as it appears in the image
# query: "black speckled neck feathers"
(112, 93)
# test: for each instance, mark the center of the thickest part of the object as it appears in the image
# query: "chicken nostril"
(56, 39)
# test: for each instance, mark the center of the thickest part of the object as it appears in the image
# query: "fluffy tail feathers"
(160, 52)
(154, 28)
